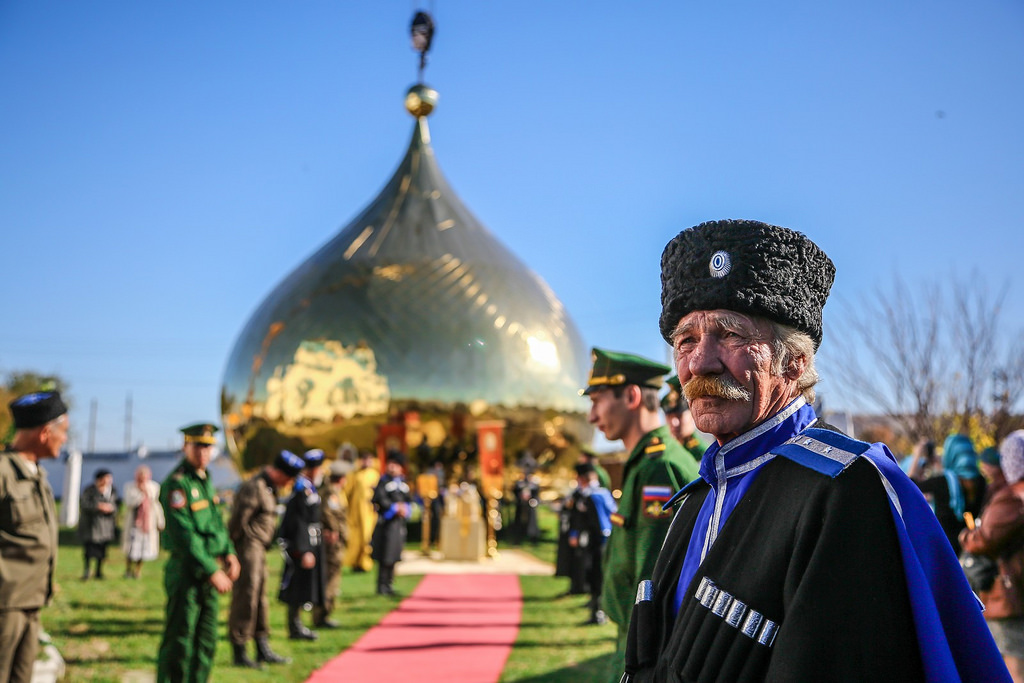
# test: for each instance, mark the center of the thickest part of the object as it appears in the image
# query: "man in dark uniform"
(589, 457)
(302, 583)
(393, 503)
(334, 518)
(28, 529)
(253, 530)
(565, 555)
(590, 525)
(526, 494)
(680, 420)
(623, 390)
(800, 554)
(202, 562)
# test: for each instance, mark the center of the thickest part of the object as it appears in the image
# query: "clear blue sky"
(163, 165)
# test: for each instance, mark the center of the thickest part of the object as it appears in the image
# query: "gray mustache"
(720, 386)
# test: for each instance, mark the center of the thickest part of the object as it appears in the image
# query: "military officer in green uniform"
(28, 529)
(201, 565)
(680, 421)
(623, 390)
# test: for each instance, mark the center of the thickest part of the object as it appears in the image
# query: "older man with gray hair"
(28, 528)
(800, 554)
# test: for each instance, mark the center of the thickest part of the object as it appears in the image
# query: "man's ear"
(633, 396)
(795, 368)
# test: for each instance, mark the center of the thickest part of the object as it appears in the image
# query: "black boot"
(385, 577)
(265, 654)
(296, 629)
(242, 659)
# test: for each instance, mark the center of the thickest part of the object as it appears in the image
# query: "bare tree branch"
(931, 360)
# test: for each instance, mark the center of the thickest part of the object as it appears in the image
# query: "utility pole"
(128, 423)
(92, 426)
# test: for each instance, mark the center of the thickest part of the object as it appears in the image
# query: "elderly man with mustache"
(623, 390)
(799, 554)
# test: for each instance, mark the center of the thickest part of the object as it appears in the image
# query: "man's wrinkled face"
(53, 436)
(724, 361)
(609, 413)
(199, 455)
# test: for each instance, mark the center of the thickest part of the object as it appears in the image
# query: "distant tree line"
(19, 382)
(936, 359)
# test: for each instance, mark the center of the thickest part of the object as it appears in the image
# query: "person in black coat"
(590, 526)
(299, 535)
(98, 525)
(393, 503)
(526, 493)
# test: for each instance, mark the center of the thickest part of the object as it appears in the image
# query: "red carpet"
(454, 628)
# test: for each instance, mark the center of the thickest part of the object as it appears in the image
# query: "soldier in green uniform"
(680, 421)
(201, 565)
(28, 529)
(623, 390)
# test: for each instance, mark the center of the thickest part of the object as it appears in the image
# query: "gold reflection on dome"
(394, 272)
(543, 352)
(358, 242)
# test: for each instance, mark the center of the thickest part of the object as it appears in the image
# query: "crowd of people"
(782, 550)
(206, 555)
(210, 557)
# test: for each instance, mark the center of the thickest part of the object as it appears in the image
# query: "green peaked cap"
(200, 432)
(674, 401)
(615, 368)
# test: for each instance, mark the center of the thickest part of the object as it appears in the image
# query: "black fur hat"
(35, 410)
(749, 267)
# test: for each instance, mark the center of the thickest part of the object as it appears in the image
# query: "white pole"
(72, 489)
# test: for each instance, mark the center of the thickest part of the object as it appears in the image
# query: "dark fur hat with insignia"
(36, 409)
(397, 457)
(313, 457)
(584, 469)
(749, 267)
(289, 463)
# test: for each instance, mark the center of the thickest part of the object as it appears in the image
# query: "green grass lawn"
(107, 630)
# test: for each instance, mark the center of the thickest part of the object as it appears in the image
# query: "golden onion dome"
(407, 328)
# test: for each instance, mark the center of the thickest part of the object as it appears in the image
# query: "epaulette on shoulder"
(822, 450)
(655, 447)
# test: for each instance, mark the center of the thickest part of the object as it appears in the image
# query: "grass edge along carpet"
(451, 628)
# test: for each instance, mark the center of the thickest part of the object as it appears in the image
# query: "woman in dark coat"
(393, 503)
(955, 488)
(97, 526)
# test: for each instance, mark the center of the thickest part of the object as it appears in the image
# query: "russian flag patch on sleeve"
(654, 499)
